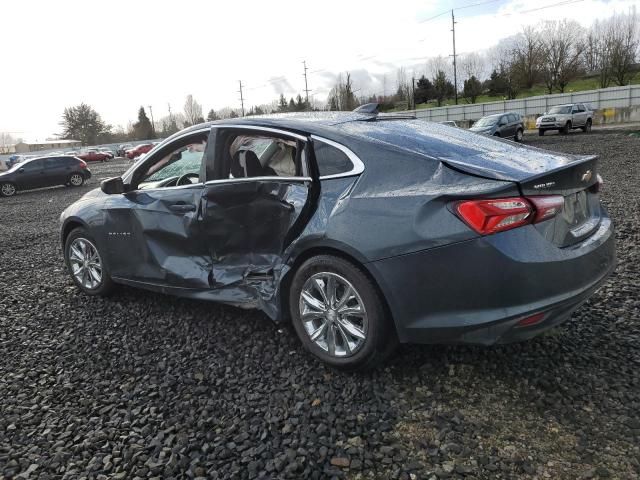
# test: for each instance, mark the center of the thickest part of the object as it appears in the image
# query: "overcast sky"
(118, 55)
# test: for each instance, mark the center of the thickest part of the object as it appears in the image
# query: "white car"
(566, 117)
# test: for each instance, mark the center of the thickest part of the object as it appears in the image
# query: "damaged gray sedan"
(363, 230)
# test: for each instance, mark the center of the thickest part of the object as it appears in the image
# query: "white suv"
(566, 117)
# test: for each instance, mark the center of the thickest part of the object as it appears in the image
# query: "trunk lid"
(572, 177)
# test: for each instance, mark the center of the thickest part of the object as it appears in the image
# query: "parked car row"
(562, 118)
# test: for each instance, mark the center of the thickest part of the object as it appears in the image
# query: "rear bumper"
(478, 290)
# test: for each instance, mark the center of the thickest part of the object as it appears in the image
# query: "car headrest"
(245, 164)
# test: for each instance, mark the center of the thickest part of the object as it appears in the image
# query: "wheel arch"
(68, 226)
(343, 252)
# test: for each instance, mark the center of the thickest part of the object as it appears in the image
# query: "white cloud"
(121, 54)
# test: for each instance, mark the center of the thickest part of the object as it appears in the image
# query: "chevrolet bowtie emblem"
(586, 176)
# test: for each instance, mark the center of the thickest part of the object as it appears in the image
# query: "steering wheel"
(186, 178)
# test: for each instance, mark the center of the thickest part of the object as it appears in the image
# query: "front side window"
(181, 165)
(33, 165)
(331, 160)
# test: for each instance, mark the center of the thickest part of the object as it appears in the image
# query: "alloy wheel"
(86, 264)
(8, 189)
(333, 314)
(76, 180)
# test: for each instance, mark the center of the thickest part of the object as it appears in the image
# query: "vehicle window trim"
(275, 131)
(357, 165)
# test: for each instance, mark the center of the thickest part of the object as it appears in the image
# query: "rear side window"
(331, 160)
(53, 162)
(581, 108)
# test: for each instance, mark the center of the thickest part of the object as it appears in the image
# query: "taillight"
(499, 214)
(83, 164)
(546, 207)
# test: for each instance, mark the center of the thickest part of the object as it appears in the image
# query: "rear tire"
(75, 180)
(338, 314)
(86, 264)
(566, 128)
(7, 189)
(519, 135)
(587, 127)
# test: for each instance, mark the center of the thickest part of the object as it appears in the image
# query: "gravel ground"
(144, 385)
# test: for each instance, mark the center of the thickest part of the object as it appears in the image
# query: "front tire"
(338, 314)
(566, 128)
(7, 189)
(541, 132)
(86, 264)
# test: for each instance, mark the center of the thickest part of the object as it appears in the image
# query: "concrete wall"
(614, 105)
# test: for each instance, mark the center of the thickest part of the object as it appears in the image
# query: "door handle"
(182, 207)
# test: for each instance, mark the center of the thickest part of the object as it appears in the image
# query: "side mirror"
(111, 186)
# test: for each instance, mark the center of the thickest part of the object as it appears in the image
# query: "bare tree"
(562, 46)
(526, 56)
(597, 51)
(192, 111)
(342, 95)
(472, 65)
(6, 141)
(625, 43)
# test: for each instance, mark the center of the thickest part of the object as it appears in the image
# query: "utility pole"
(153, 125)
(241, 97)
(413, 91)
(455, 68)
(306, 87)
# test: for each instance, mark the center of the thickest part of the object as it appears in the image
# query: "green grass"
(578, 85)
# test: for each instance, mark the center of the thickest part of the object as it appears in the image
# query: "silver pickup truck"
(566, 117)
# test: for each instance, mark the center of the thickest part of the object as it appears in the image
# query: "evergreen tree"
(442, 87)
(472, 89)
(212, 116)
(143, 129)
(283, 106)
(424, 90)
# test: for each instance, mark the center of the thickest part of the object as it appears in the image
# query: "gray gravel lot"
(144, 385)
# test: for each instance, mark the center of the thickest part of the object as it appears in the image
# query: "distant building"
(24, 147)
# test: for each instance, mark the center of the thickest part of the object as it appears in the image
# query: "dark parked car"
(138, 150)
(363, 229)
(44, 172)
(505, 125)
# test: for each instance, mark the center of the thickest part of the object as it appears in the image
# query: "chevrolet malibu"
(363, 230)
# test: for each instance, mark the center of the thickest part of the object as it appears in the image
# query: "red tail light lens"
(546, 207)
(495, 215)
(83, 164)
(499, 214)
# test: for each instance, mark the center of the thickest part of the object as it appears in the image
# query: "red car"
(93, 155)
(138, 150)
